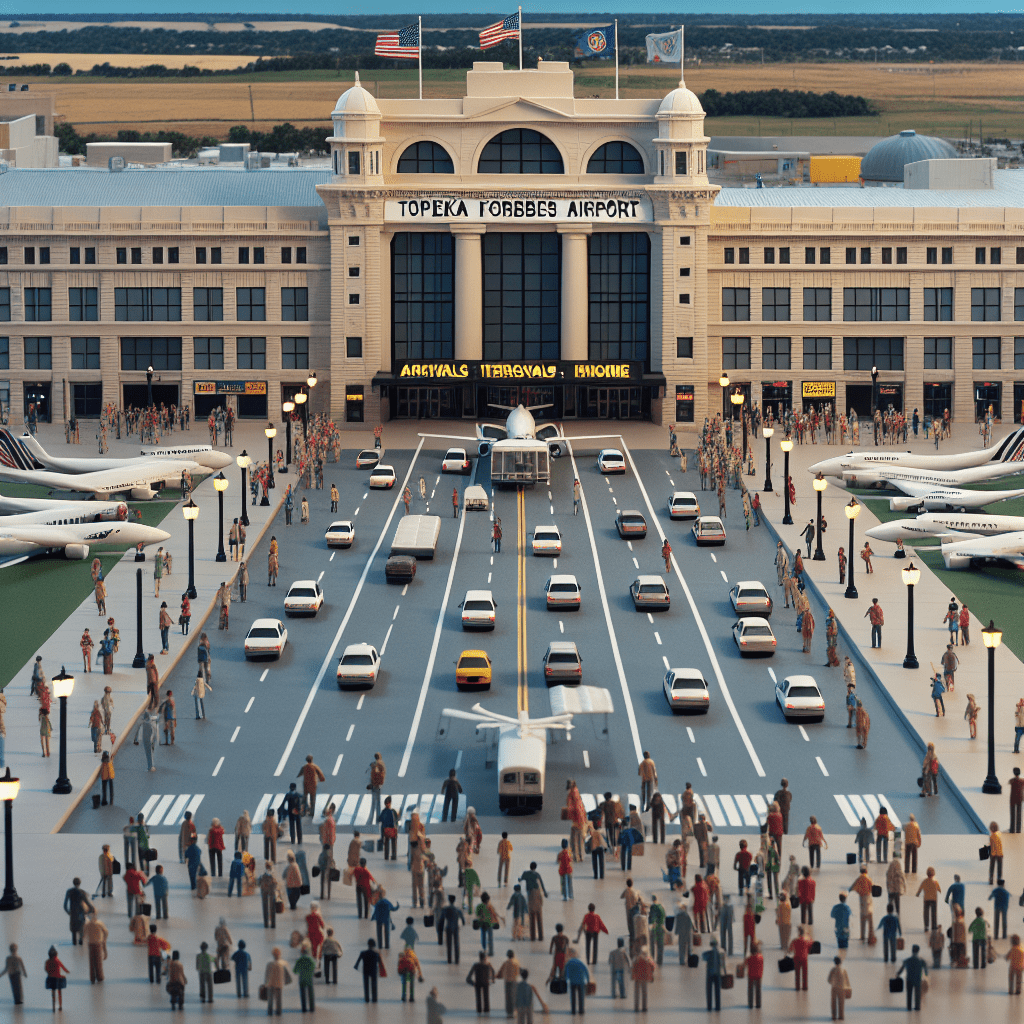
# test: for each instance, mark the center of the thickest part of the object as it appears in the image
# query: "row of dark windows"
(868, 304)
(159, 254)
(151, 304)
(863, 255)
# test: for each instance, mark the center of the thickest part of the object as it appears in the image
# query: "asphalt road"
(264, 717)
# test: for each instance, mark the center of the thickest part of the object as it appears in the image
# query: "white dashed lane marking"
(689, 732)
(337, 764)
(249, 705)
(264, 676)
(724, 577)
(234, 735)
(771, 672)
(331, 559)
(821, 765)
(359, 703)
(667, 665)
(700, 765)
(586, 758)
(657, 636)
(219, 763)
(636, 564)
(351, 729)
(713, 559)
(803, 732)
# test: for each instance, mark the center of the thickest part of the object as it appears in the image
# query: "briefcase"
(279, 907)
(149, 854)
(670, 922)
(116, 867)
(428, 921)
(591, 988)
(876, 891)
(263, 993)
(221, 977)
(900, 944)
(728, 981)
(984, 852)
(304, 890)
(559, 986)
(895, 984)
(851, 858)
(693, 960)
(741, 968)
(146, 909)
(786, 965)
(815, 947)
(335, 875)
(638, 849)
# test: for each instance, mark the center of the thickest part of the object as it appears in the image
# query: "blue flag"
(595, 42)
(665, 48)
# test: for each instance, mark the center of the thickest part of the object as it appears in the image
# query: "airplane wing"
(450, 437)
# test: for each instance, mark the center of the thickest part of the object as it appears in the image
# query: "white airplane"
(959, 550)
(26, 452)
(72, 509)
(898, 476)
(920, 497)
(21, 536)
(141, 481)
(1010, 449)
(943, 524)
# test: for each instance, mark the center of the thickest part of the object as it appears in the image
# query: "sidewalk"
(38, 810)
(963, 760)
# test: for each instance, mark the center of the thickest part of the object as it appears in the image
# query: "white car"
(340, 534)
(478, 610)
(611, 460)
(650, 592)
(304, 597)
(382, 477)
(750, 597)
(708, 530)
(754, 636)
(686, 689)
(456, 461)
(358, 667)
(547, 541)
(799, 697)
(266, 638)
(683, 505)
(562, 592)
(368, 458)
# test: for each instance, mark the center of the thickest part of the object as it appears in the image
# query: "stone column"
(575, 295)
(469, 291)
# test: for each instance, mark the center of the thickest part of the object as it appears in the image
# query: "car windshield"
(562, 658)
(652, 588)
(340, 527)
(383, 471)
(368, 454)
(711, 528)
(545, 533)
(632, 520)
(752, 593)
(357, 659)
(474, 662)
(479, 606)
(563, 588)
(757, 631)
(689, 684)
(263, 633)
(612, 457)
(302, 592)
(803, 691)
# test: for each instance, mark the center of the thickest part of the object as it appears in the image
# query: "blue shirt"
(237, 869)
(576, 972)
(382, 911)
(890, 926)
(713, 959)
(1001, 895)
(937, 688)
(841, 915)
(915, 967)
(955, 894)
(194, 856)
(388, 819)
(160, 885)
(242, 961)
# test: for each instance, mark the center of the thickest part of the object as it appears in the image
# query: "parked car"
(754, 636)
(751, 598)
(358, 667)
(473, 671)
(799, 697)
(368, 458)
(382, 477)
(631, 524)
(683, 505)
(547, 541)
(649, 593)
(563, 665)
(340, 534)
(456, 461)
(686, 689)
(266, 638)
(708, 530)
(478, 610)
(611, 460)
(304, 597)
(562, 592)
(400, 569)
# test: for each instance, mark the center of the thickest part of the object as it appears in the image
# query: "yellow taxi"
(473, 671)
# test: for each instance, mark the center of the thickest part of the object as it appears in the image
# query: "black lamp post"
(271, 431)
(9, 786)
(220, 483)
(738, 398)
(768, 431)
(992, 638)
(190, 511)
(288, 408)
(63, 685)
(149, 386)
(911, 577)
(874, 400)
(820, 483)
(302, 400)
(244, 462)
(786, 444)
(852, 511)
(723, 383)
(140, 657)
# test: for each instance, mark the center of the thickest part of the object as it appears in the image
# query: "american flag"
(500, 30)
(404, 43)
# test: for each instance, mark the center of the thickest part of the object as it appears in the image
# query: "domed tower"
(356, 144)
(883, 164)
(681, 145)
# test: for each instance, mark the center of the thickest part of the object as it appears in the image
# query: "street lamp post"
(271, 431)
(140, 656)
(9, 786)
(874, 398)
(767, 432)
(852, 511)
(244, 462)
(738, 398)
(190, 511)
(911, 577)
(820, 483)
(149, 387)
(301, 398)
(786, 444)
(287, 408)
(63, 685)
(992, 638)
(723, 383)
(220, 483)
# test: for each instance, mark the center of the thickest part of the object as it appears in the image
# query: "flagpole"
(520, 38)
(682, 55)
(419, 47)
(616, 58)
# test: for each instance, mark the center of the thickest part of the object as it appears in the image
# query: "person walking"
(292, 876)
(268, 892)
(916, 971)
(215, 848)
(106, 779)
(781, 562)
(199, 692)
(372, 966)
(807, 629)
(814, 840)
(275, 977)
(56, 981)
(931, 888)
(890, 928)
(76, 905)
(642, 974)
(875, 615)
(965, 625)
(839, 986)
(714, 969)
(576, 495)
(304, 510)
(14, 968)
(666, 553)
(950, 663)
(243, 581)
(862, 886)
(938, 689)
(101, 596)
(971, 716)
(147, 729)
(799, 949)
(455, 503)
(496, 535)
(311, 775)
(865, 555)
(952, 622)
(158, 571)
(648, 772)
(481, 977)
(160, 886)
(87, 644)
(272, 567)
(305, 970)
(451, 789)
(808, 535)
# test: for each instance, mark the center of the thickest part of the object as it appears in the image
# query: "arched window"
(425, 158)
(616, 158)
(520, 151)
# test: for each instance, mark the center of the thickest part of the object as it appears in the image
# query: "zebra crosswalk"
(169, 810)
(353, 809)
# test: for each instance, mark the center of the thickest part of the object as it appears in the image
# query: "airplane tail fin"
(1011, 449)
(19, 452)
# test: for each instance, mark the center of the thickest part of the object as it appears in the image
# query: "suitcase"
(591, 988)
(279, 907)
(895, 985)
(851, 858)
(728, 981)
(741, 969)
(697, 940)
(984, 852)
(900, 944)
(559, 986)
(428, 921)
(146, 909)
(221, 977)
(786, 965)
(263, 993)
(335, 875)
(876, 891)
(693, 960)
(815, 947)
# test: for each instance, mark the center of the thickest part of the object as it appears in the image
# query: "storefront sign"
(819, 389)
(889, 389)
(542, 371)
(523, 209)
(230, 387)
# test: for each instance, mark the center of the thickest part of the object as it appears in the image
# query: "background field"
(86, 61)
(950, 100)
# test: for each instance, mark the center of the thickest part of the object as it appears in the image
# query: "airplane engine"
(556, 449)
(954, 561)
(145, 493)
(76, 552)
(484, 449)
(908, 505)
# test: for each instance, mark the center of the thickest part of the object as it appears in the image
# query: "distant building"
(26, 127)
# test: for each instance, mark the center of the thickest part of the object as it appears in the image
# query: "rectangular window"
(143, 304)
(1018, 304)
(825, 255)
(160, 353)
(5, 304)
(243, 254)
(295, 353)
(735, 303)
(1020, 255)
(353, 299)
(876, 303)
(3, 255)
(354, 348)
(775, 353)
(38, 354)
(985, 303)
(294, 303)
(684, 403)
(137, 255)
(207, 303)
(251, 304)
(216, 254)
(684, 239)
(88, 399)
(995, 256)
(735, 353)
(1018, 354)
(85, 353)
(744, 255)
(730, 255)
(158, 254)
(865, 254)
(769, 254)
(286, 254)
(863, 353)
(259, 254)
(200, 254)
(986, 354)
(817, 304)
(901, 254)
(44, 254)
(208, 353)
(422, 296)
(886, 254)
(5, 353)
(684, 271)
(83, 304)
(75, 255)
(684, 298)
(353, 404)
(774, 303)
(680, 162)
(938, 303)
(784, 254)
(947, 254)
(251, 353)
(932, 254)
(684, 348)
(522, 295)
(353, 239)
(938, 353)
(37, 304)
(300, 254)
(173, 254)
(979, 254)
(817, 353)
(353, 271)
(353, 161)
(30, 255)
(851, 254)
(809, 254)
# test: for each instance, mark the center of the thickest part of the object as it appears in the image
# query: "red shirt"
(801, 947)
(564, 862)
(135, 880)
(755, 966)
(592, 924)
(215, 837)
(700, 898)
(155, 944)
(805, 888)
(362, 877)
(742, 860)
(775, 823)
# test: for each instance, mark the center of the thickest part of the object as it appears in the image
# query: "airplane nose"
(830, 467)
(887, 531)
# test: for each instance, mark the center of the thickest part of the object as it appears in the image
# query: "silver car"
(754, 636)
(649, 593)
(683, 505)
(799, 697)
(751, 598)
(563, 591)
(686, 689)
(563, 665)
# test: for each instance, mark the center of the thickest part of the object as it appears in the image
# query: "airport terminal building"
(518, 244)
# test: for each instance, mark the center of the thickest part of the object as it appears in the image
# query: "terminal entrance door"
(429, 403)
(614, 403)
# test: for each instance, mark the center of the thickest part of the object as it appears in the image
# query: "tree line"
(784, 103)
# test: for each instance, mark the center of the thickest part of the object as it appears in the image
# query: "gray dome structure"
(885, 161)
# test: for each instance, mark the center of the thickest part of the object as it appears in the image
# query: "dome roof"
(356, 101)
(886, 159)
(680, 102)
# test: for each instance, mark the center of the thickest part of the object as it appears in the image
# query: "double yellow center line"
(523, 696)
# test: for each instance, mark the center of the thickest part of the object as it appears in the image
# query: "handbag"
(347, 876)
(794, 900)
(335, 875)
(591, 988)
(565, 814)
(693, 960)
(786, 965)
(279, 907)
(558, 986)
(851, 858)
(847, 993)
(984, 852)
(116, 869)
(262, 992)
(876, 891)
(920, 783)
(476, 924)
(815, 947)
(220, 977)
(390, 833)
(428, 920)
(895, 985)
(304, 890)
(741, 969)
(146, 909)
(670, 922)
(900, 944)
(315, 871)
(873, 939)
(697, 940)
(728, 981)
(638, 849)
